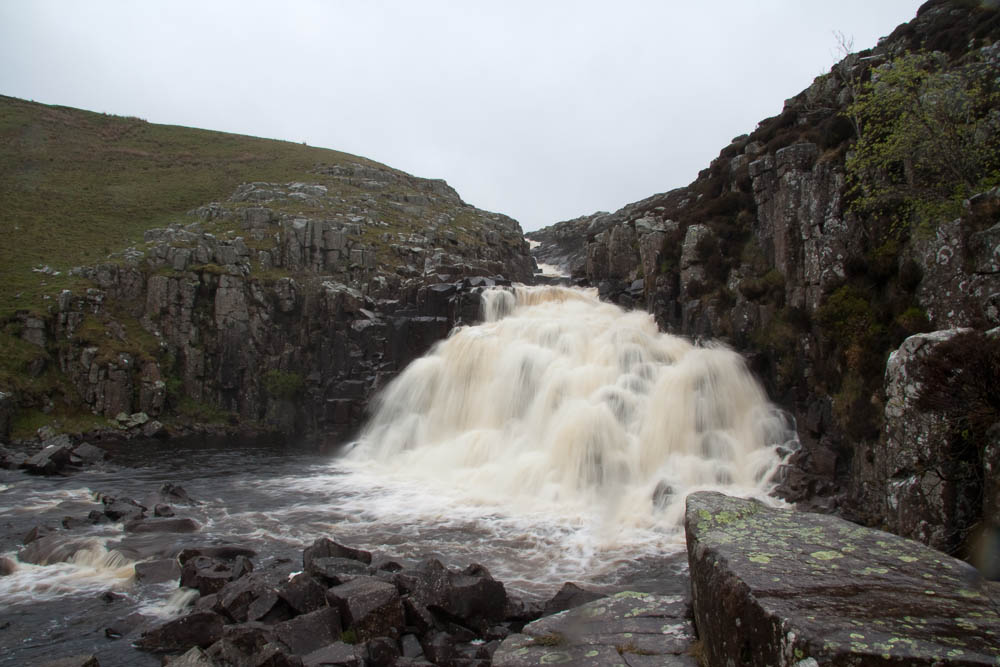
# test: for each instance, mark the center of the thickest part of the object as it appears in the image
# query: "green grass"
(76, 186)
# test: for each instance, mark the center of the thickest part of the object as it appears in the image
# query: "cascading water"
(563, 410)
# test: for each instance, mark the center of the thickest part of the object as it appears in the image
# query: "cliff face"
(283, 308)
(770, 251)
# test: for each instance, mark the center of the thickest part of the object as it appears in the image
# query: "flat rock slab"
(628, 629)
(779, 587)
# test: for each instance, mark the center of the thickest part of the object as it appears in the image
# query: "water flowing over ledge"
(564, 408)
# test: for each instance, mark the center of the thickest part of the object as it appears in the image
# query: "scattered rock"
(182, 525)
(369, 606)
(53, 459)
(779, 587)
(569, 597)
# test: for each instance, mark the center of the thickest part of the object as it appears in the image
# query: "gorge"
(315, 345)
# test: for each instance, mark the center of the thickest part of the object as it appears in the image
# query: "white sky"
(540, 110)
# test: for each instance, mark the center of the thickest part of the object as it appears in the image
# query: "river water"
(555, 442)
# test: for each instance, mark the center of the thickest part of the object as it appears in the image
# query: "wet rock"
(368, 606)
(303, 594)
(309, 632)
(11, 460)
(337, 654)
(471, 596)
(73, 661)
(36, 533)
(568, 597)
(240, 643)
(336, 571)
(175, 495)
(380, 652)
(778, 587)
(629, 628)
(195, 657)
(275, 655)
(209, 575)
(327, 548)
(158, 571)
(162, 525)
(7, 566)
(52, 460)
(88, 453)
(163, 510)
(122, 509)
(201, 628)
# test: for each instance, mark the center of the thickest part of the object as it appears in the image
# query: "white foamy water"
(565, 430)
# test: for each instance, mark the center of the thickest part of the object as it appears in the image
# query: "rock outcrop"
(778, 587)
(283, 308)
(765, 252)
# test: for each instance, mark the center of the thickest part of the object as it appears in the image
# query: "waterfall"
(560, 403)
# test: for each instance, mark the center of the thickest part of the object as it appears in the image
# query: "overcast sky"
(540, 110)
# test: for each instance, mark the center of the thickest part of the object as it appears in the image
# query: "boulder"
(337, 654)
(158, 571)
(201, 628)
(630, 628)
(72, 661)
(326, 548)
(471, 596)
(122, 509)
(193, 658)
(309, 632)
(777, 587)
(52, 460)
(569, 597)
(88, 453)
(162, 525)
(369, 606)
(209, 575)
(303, 594)
(334, 571)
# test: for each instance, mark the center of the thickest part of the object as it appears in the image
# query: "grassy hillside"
(77, 185)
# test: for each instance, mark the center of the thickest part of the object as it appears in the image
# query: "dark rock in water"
(778, 587)
(628, 628)
(162, 526)
(122, 509)
(52, 460)
(326, 548)
(569, 597)
(226, 552)
(11, 460)
(36, 533)
(370, 607)
(7, 566)
(164, 510)
(124, 626)
(88, 453)
(269, 608)
(240, 643)
(73, 661)
(309, 632)
(337, 654)
(201, 628)
(158, 571)
(174, 494)
(208, 575)
(235, 598)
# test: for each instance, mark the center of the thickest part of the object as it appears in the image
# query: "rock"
(174, 494)
(158, 571)
(201, 628)
(471, 596)
(183, 525)
(7, 566)
(209, 575)
(309, 632)
(303, 594)
(195, 657)
(326, 548)
(334, 570)
(337, 654)
(88, 453)
(568, 597)
(370, 607)
(779, 587)
(163, 510)
(73, 661)
(628, 628)
(380, 652)
(11, 460)
(122, 509)
(52, 460)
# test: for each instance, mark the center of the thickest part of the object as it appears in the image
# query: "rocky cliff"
(793, 249)
(283, 307)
